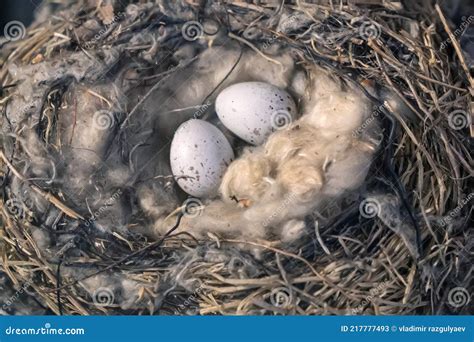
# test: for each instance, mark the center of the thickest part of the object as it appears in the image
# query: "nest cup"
(399, 246)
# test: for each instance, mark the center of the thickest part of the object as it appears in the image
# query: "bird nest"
(400, 246)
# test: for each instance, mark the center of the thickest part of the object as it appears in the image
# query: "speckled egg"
(253, 110)
(199, 156)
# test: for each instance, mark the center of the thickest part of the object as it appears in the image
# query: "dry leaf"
(106, 14)
(38, 58)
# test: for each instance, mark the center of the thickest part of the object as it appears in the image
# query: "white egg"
(253, 110)
(199, 156)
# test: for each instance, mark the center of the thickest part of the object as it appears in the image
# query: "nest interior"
(68, 245)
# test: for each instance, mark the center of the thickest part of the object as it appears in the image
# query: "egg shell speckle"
(199, 156)
(253, 110)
